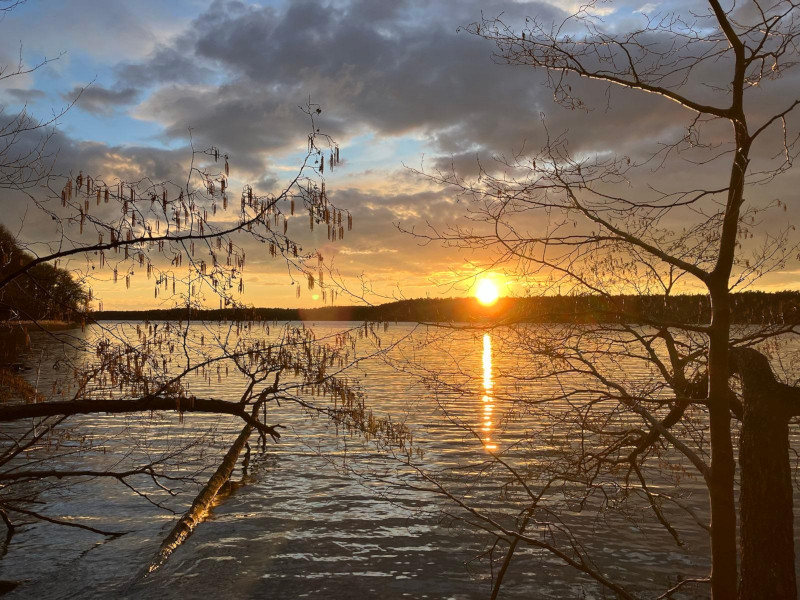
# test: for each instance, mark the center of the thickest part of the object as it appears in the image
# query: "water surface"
(327, 514)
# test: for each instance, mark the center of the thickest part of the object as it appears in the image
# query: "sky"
(402, 87)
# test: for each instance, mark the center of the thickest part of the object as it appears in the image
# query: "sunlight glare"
(486, 292)
(487, 365)
(488, 384)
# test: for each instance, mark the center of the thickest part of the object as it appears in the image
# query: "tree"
(152, 368)
(188, 240)
(585, 225)
(46, 292)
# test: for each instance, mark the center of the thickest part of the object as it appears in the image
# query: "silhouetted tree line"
(43, 292)
(748, 307)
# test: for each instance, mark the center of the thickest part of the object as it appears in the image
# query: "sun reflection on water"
(488, 401)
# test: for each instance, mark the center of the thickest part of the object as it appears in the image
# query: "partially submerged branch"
(204, 500)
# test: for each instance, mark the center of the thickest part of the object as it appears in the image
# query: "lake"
(325, 513)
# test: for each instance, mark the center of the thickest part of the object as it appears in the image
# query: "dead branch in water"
(202, 503)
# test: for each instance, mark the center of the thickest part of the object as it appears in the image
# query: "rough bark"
(723, 466)
(767, 521)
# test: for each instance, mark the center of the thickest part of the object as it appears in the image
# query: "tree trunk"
(767, 520)
(723, 467)
(202, 503)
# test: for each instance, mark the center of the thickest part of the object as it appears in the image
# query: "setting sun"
(486, 292)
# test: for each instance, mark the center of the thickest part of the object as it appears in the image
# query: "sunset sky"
(400, 86)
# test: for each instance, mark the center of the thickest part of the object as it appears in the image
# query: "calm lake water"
(324, 514)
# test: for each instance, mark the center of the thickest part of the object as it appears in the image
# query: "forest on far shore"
(748, 307)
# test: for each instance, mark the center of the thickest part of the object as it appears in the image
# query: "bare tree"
(153, 368)
(586, 226)
(187, 240)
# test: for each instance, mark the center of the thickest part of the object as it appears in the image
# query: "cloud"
(166, 64)
(247, 120)
(403, 70)
(98, 100)
(391, 68)
(25, 95)
(107, 30)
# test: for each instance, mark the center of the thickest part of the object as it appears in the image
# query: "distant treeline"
(748, 307)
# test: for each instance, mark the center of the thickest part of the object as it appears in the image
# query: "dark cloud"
(246, 119)
(165, 65)
(25, 95)
(99, 100)
(387, 67)
(65, 156)
(378, 12)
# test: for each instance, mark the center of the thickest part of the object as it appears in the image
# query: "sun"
(486, 292)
